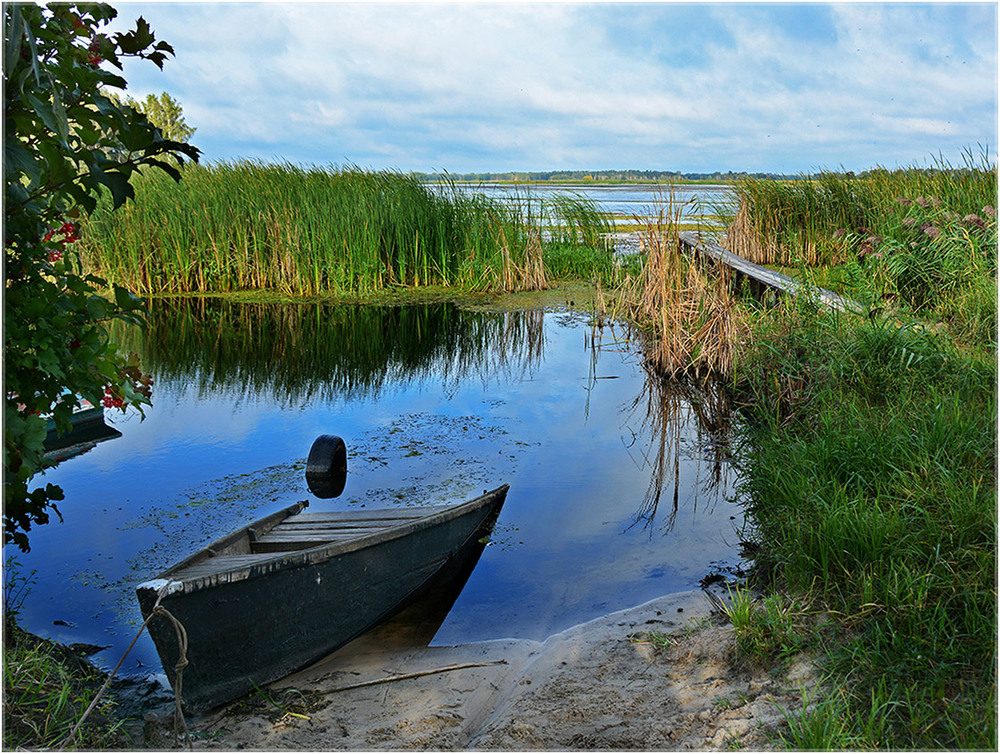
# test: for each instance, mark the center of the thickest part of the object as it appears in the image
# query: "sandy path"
(589, 687)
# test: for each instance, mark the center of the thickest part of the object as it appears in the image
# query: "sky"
(489, 87)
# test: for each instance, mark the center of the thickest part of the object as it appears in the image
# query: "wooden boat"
(289, 589)
(87, 428)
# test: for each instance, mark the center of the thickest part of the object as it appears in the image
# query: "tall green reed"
(828, 219)
(575, 218)
(248, 225)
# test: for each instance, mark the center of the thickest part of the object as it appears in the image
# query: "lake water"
(624, 202)
(619, 482)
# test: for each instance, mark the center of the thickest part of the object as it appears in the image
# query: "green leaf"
(121, 189)
(62, 123)
(157, 58)
(47, 114)
(34, 431)
(82, 196)
(60, 169)
(136, 41)
(17, 159)
(30, 36)
(126, 300)
(13, 37)
(88, 135)
(111, 79)
(101, 11)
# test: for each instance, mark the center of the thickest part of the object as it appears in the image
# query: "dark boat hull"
(249, 629)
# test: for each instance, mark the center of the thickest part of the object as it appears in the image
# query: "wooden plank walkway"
(769, 278)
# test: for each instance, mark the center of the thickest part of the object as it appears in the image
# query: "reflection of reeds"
(684, 417)
(688, 311)
(294, 352)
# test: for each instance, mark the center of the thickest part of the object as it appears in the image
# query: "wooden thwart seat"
(221, 564)
(303, 531)
(313, 529)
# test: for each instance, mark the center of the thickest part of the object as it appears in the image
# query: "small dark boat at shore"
(293, 587)
(87, 429)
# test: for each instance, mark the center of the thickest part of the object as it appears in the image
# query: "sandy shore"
(598, 685)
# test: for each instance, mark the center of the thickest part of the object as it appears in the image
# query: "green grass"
(765, 627)
(45, 695)
(869, 471)
(47, 688)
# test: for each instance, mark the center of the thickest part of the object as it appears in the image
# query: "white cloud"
(465, 87)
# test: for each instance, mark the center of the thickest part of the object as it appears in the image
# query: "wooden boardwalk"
(762, 275)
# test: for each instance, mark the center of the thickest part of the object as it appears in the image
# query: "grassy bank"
(47, 687)
(869, 463)
(255, 226)
(869, 469)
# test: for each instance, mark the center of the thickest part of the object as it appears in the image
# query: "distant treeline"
(583, 176)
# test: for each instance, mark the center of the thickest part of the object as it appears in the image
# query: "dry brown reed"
(528, 274)
(743, 237)
(688, 310)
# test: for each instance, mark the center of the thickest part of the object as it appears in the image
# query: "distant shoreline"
(578, 182)
(599, 177)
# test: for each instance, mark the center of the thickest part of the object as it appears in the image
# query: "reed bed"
(918, 241)
(689, 312)
(249, 225)
(827, 220)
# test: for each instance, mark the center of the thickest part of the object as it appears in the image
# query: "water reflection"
(293, 353)
(678, 410)
(682, 421)
(619, 489)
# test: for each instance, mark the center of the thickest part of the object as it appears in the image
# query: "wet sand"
(599, 685)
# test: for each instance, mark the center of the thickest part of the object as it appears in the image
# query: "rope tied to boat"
(182, 662)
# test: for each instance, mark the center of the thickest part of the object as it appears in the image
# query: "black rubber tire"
(326, 467)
